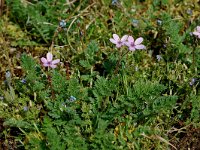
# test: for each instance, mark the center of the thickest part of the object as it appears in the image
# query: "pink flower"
(117, 41)
(133, 45)
(49, 62)
(197, 32)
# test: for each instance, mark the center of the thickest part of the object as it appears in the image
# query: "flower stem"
(117, 65)
(193, 56)
(50, 85)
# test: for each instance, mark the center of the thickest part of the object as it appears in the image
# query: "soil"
(189, 139)
(6, 144)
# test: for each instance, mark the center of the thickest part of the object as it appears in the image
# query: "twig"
(54, 36)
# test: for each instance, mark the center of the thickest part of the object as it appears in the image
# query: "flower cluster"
(117, 41)
(128, 41)
(49, 62)
(62, 23)
(158, 57)
(197, 32)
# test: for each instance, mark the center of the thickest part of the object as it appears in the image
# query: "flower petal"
(138, 41)
(53, 66)
(118, 45)
(140, 47)
(49, 57)
(44, 60)
(198, 28)
(116, 37)
(130, 39)
(113, 41)
(124, 38)
(127, 44)
(55, 61)
(132, 48)
(46, 65)
(196, 33)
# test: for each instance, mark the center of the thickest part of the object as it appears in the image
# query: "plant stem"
(50, 84)
(117, 65)
(193, 56)
(53, 39)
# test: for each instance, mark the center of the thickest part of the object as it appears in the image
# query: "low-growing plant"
(84, 91)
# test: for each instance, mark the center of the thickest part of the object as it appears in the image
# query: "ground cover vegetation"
(99, 74)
